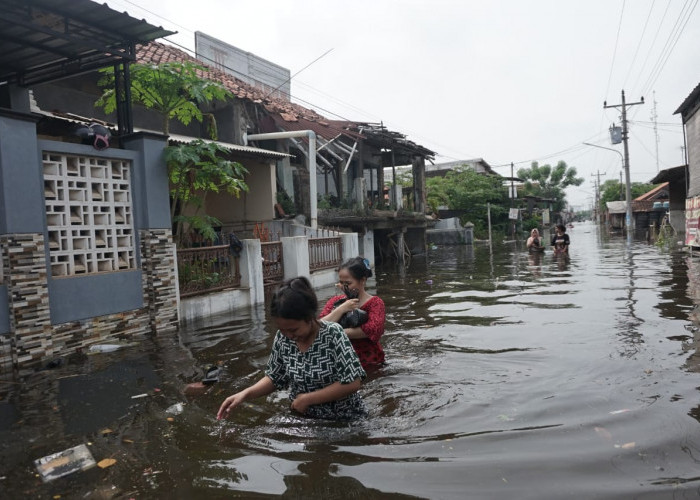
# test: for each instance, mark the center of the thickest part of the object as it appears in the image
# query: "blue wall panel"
(84, 297)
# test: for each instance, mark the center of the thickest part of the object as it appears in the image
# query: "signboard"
(545, 217)
(692, 219)
(513, 214)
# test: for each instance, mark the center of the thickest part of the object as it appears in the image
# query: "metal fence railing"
(272, 261)
(205, 269)
(324, 253)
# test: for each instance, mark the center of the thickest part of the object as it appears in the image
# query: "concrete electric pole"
(628, 188)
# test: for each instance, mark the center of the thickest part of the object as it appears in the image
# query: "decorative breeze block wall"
(88, 214)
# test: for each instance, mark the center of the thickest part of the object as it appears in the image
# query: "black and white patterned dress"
(331, 358)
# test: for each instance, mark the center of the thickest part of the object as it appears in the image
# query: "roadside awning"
(45, 40)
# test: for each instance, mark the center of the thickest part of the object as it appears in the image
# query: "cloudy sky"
(503, 80)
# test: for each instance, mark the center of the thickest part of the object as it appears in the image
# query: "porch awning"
(44, 40)
(249, 150)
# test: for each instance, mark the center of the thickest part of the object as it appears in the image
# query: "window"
(88, 213)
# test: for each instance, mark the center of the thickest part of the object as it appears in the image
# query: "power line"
(666, 52)
(617, 38)
(653, 42)
(644, 30)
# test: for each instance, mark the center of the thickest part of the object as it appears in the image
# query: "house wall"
(258, 204)
(692, 131)
(44, 317)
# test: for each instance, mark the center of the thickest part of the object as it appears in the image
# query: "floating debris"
(107, 462)
(626, 446)
(616, 412)
(175, 409)
(64, 462)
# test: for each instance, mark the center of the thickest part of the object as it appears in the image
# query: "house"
(691, 127)
(677, 180)
(347, 159)
(85, 237)
(648, 210)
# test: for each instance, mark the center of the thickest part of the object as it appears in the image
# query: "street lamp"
(628, 188)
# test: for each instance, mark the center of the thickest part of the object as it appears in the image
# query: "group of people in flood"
(321, 359)
(560, 241)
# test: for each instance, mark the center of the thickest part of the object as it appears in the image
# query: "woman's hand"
(300, 403)
(348, 305)
(230, 403)
(262, 387)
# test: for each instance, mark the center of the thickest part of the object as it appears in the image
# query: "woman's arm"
(373, 329)
(334, 315)
(332, 392)
(262, 387)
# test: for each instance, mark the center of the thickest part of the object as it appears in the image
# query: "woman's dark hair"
(295, 299)
(357, 267)
(561, 227)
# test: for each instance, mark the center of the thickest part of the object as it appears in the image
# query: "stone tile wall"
(28, 296)
(158, 262)
(33, 341)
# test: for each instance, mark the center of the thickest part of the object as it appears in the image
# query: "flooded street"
(509, 376)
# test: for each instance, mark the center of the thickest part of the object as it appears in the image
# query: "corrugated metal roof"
(183, 139)
(689, 102)
(616, 207)
(672, 174)
(44, 40)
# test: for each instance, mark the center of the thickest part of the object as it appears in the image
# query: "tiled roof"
(158, 53)
(654, 193)
(286, 114)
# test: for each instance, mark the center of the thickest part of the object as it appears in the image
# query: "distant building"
(479, 165)
(267, 76)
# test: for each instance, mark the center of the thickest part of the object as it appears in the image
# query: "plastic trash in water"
(64, 462)
(95, 348)
(175, 409)
(428, 282)
(104, 348)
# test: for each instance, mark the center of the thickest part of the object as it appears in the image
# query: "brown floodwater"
(509, 376)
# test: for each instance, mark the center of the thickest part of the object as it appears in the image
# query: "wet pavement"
(509, 375)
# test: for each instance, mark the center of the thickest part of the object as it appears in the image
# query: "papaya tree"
(172, 89)
(195, 170)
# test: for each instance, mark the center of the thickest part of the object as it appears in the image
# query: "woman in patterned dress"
(352, 276)
(313, 359)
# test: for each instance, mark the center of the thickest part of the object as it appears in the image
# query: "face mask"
(351, 294)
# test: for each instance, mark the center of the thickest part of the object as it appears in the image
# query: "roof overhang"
(670, 175)
(45, 40)
(237, 148)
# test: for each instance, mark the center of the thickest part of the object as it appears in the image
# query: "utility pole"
(654, 116)
(597, 195)
(621, 186)
(512, 194)
(628, 188)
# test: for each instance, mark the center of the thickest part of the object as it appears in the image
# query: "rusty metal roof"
(44, 40)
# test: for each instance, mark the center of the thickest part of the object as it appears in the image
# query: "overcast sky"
(506, 81)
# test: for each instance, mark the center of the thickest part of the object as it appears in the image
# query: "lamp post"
(628, 189)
